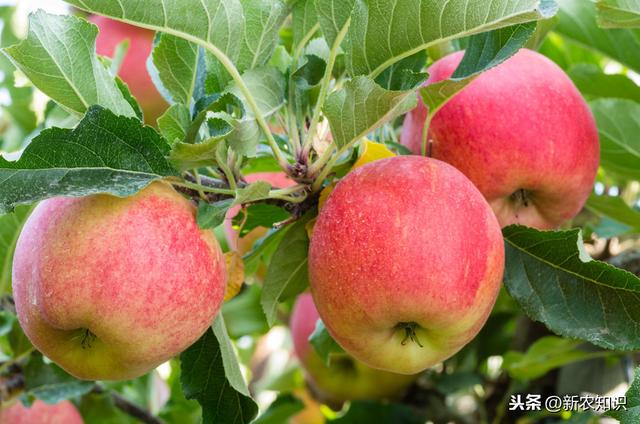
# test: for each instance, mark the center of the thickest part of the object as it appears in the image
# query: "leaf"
(367, 411)
(577, 22)
(105, 153)
(203, 378)
(283, 408)
(403, 28)
(630, 412)
(618, 13)
(405, 74)
(235, 274)
(176, 61)
(76, 80)
(259, 215)
(309, 74)
(369, 152)
(229, 358)
(211, 215)
(544, 355)
(48, 382)
(246, 32)
(287, 273)
(10, 228)
(556, 282)
(485, 51)
(174, 123)
(252, 193)
(619, 126)
(593, 83)
(323, 343)
(267, 86)
(616, 209)
(362, 106)
(304, 19)
(196, 155)
(243, 314)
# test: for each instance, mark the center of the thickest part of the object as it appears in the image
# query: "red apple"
(41, 413)
(345, 378)
(134, 67)
(405, 263)
(522, 133)
(109, 288)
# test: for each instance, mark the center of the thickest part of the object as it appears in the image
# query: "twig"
(128, 407)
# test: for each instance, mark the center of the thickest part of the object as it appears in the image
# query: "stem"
(129, 407)
(199, 182)
(317, 185)
(293, 122)
(214, 173)
(205, 189)
(231, 179)
(324, 88)
(322, 160)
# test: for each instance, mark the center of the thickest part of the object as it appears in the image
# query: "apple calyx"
(410, 333)
(521, 197)
(87, 338)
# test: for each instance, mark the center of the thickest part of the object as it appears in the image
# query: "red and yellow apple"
(109, 288)
(41, 413)
(521, 132)
(345, 378)
(134, 67)
(405, 263)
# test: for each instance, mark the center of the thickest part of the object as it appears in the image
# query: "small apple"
(109, 288)
(345, 378)
(41, 413)
(134, 67)
(521, 132)
(405, 263)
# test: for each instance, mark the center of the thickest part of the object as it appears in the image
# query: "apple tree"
(313, 211)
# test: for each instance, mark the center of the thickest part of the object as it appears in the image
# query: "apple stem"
(521, 197)
(410, 333)
(87, 338)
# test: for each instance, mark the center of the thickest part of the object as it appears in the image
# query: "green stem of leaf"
(196, 174)
(197, 187)
(324, 88)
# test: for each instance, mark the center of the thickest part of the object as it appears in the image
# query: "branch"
(128, 407)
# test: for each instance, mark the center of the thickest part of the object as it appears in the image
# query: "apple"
(245, 244)
(345, 378)
(405, 263)
(41, 413)
(134, 67)
(522, 133)
(109, 288)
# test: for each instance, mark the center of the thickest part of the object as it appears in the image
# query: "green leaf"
(630, 414)
(267, 86)
(615, 209)
(403, 28)
(405, 74)
(259, 215)
(367, 411)
(229, 358)
(243, 314)
(310, 73)
(577, 22)
(484, 52)
(48, 382)
(283, 408)
(304, 19)
(544, 355)
(619, 126)
(203, 378)
(105, 153)
(210, 215)
(10, 228)
(263, 251)
(287, 273)
(174, 123)
(252, 193)
(618, 13)
(593, 83)
(556, 282)
(189, 156)
(246, 32)
(362, 106)
(323, 343)
(176, 61)
(76, 80)
(100, 408)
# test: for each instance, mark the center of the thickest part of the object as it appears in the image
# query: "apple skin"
(41, 413)
(345, 378)
(136, 272)
(134, 66)
(406, 243)
(520, 126)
